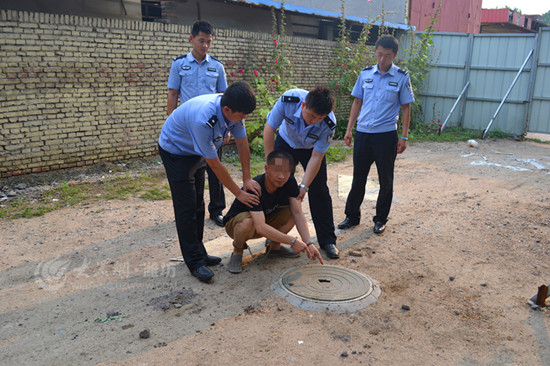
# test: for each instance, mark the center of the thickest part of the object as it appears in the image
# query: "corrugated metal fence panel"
(446, 78)
(494, 63)
(539, 120)
(496, 60)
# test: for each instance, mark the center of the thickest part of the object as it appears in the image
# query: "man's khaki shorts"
(277, 219)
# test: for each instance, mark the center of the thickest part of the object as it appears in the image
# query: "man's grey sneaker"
(235, 263)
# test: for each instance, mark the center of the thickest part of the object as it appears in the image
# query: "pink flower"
(345, 64)
(275, 41)
(232, 74)
(255, 72)
(241, 71)
(276, 60)
(438, 120)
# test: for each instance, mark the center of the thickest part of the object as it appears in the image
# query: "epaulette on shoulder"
(212, 121)
(213, 58)
(179, 57)
(368, 68)
(290, 99)
(403, 71)
(330, 123)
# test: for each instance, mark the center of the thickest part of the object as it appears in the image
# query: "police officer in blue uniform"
(380, 92)
(189, 141)
(195, 74)
(305, 124)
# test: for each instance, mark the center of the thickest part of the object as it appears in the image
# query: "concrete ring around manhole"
(326, 288)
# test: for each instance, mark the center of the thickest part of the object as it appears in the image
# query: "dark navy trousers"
(320, 202)
(217, 195)
(186, 178)
(368, 148)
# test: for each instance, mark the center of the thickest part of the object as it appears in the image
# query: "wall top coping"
(76, 20)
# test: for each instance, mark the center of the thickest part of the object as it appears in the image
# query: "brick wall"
(76, 91)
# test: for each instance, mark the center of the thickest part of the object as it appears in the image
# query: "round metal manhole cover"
(326, 288)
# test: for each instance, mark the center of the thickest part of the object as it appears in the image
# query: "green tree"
(546, 17)
(417, 61)
(270, 76)
(350, 58)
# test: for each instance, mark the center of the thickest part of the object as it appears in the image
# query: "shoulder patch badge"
(330, 123)
(177, 58)
(403, 71)
(290, 99)
(212, 121)
(368, 68)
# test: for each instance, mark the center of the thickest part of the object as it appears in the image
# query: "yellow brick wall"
(76, 91)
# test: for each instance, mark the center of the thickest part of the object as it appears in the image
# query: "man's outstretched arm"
(301, 226)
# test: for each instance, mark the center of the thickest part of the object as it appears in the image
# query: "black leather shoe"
(347, 223)
(218, 219)
(379, 228)
(331, 250)
(212, 260)
(203, 274)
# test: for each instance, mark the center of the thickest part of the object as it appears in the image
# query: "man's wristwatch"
(304, 187)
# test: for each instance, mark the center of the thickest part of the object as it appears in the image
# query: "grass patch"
(539, 141)
(430, 132)
(144, 186)
(157, 194)
(338, 152)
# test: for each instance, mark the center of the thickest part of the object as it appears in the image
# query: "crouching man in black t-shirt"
(275, 215)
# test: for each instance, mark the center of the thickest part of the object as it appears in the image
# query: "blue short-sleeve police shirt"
(382, 95)
(286, 116)
(192, 78)
(198, 127)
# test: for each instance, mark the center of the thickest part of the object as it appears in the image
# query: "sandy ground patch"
(468, 242)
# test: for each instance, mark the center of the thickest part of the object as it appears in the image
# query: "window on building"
(151, 10)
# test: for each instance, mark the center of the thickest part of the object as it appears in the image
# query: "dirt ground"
(468, 242)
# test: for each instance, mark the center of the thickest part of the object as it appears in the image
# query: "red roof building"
(463, 16)
(508, 21)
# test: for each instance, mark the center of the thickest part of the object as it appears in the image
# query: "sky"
(526, 6)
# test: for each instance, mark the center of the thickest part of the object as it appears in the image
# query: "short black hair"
(320, 100)
(239, 97)
(281, 154)
(202, 26)
(388, 41)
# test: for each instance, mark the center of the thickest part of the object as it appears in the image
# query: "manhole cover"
(326, 288)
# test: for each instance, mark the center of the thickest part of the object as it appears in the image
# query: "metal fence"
(491, 63)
